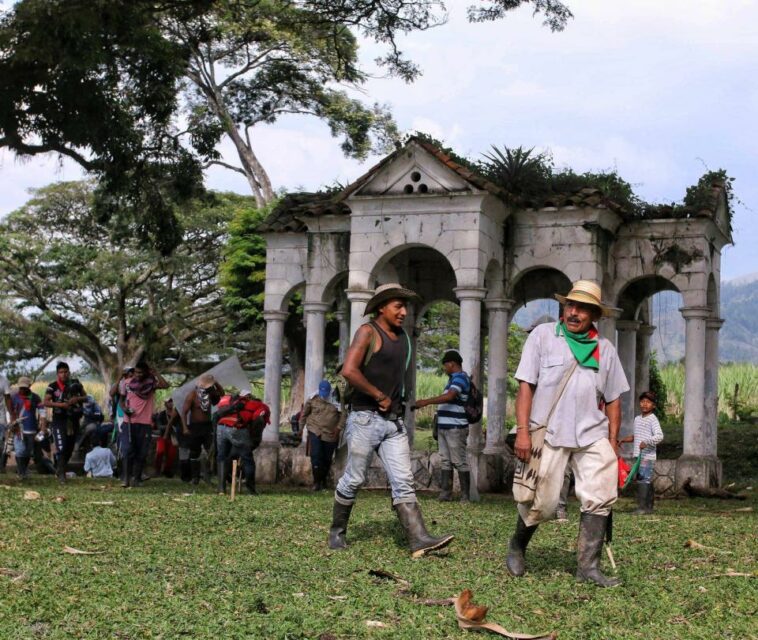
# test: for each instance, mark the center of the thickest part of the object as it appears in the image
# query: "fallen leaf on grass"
(31, 495)
(178, 499)
(59, 499)
(299, 595)
(745, 509)
(338, 598)
(734, 574)
(693, 544)
(464, 608)
(79, 552)
(15, 576)
(5, 486)
(386, 575)
(376, 623)
(102, 502)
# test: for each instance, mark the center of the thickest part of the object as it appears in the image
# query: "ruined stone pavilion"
(423, 220)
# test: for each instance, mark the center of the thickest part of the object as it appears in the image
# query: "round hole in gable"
(422, 188)
(408, 188)
(415, 176)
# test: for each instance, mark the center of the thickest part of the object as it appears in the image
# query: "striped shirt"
(647, 429)
(452, 415)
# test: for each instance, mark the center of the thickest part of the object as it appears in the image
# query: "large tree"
(73, 283)
(104, 82)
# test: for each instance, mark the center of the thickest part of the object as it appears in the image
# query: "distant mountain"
(738, 339)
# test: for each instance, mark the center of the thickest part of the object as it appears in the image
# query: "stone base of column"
(702, 471)
(267, 463)
(491, 471)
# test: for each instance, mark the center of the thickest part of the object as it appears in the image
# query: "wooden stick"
(234, 478)
(610, 556)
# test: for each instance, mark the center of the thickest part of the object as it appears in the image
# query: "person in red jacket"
(239, 431)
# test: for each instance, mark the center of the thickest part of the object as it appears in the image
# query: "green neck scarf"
(584, 346)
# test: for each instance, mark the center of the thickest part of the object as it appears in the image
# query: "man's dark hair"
(452, 356)
(61, 365)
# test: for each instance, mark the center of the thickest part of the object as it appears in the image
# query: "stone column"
(470, 348)
(343, 318)
(497, 373)
(272, 376)
(358, 299)
(267, 454)
(627, 350)
(698, 462)
(642, 373)
(606, 326)
(710, 405)
(315, 327)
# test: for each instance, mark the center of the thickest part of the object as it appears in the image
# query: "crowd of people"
(568, 415)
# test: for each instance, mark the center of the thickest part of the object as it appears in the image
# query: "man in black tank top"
(376, 366)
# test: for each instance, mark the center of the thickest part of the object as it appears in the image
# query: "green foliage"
(243, 272)
(657, 386)
(77, 284)
(518, 172)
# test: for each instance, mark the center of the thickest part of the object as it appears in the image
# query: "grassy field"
(170, 564)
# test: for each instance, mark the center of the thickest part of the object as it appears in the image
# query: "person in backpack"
(452, 426)
(376, 366)
(239, 431)
(25, 404)
(570, 385)
(324, 422)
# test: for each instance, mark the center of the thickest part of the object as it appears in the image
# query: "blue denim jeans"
(367, 433)
(233, 442)
(645, 472)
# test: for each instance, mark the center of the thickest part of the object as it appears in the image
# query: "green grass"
(199, 566)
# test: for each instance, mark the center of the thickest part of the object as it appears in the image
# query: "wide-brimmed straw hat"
(587, 292)
(385, 292)
(24, 383)
(206, 381)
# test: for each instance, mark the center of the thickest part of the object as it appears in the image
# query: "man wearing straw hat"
(376, 366)
(570, 383)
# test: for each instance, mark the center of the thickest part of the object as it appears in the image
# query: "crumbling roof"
(291, 209)
(586, 197)
(467, 174)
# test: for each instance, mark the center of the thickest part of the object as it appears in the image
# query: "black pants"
(199, 438)
(65, 430)
(134, 441)
(322, 454)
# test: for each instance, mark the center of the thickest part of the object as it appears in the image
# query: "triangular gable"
(418, 168)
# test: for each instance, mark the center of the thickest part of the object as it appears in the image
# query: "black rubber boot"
(185, 470)
(317, 486)
(644, 499)
(250, 478)
(419, 540)
(137, 477)
(464, 477)
(515, 561)
(221, 469)
(3, 458)
(590, 544)
(195, 471)
(60, 469)
(22, 467)
(446, 484)
(124, 473)
(338, 530)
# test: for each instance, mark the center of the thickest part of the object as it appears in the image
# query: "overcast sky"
(661, 90)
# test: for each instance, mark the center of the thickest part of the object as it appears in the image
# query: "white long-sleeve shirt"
(647, 429)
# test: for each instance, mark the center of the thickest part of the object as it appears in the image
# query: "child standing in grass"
(647, 434)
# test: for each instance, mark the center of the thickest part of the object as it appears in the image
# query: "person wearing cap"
(136, 429)
(197, 423)
(65, 396)
(647, 435)
(324, 422)
(5, 410)
(452, 426)
(376, 366)
(25, 403)
(579, 405)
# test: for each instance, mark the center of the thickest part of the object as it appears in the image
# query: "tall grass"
(730, 375)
